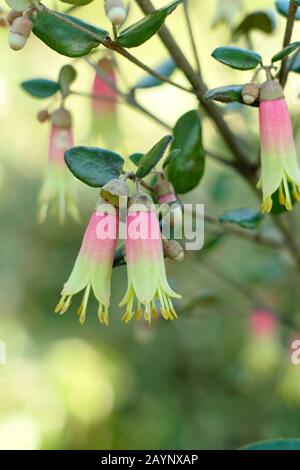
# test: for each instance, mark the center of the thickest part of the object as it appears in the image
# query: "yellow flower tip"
(154, 312)
(139, 314)
(288, 206)
(103, 315)
(267, 205)
(82, 319)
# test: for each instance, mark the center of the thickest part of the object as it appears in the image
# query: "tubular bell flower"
(279, 166)
(104, 103)
(147, 281)
(59, 183)
(93, 266)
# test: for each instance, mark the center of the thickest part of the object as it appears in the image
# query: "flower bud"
(19, 32)
(173, 250)
(61, 118)
(19, 5)
(113, 190)
(12, 15)
(115, 11)
(43, 115)
(164, 191)
(250, 93)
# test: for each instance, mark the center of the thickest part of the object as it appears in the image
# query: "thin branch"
(287, 40)
(192, 38)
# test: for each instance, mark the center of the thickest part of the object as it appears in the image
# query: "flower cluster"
(148, 289)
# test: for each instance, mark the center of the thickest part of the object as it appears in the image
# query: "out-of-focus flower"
(279, 165)
(104, 103)
(93, 266)
(289, 384)
(226, 12)
(59, 184)
(147, 281)
(115, 11)
(261, 352)
(20, 5)
(19, 32)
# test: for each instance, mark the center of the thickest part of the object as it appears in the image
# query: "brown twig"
(287, 40)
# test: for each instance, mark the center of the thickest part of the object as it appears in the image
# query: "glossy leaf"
(166, 69)
(286, 51)
(67, 75)
(227, 94)
(282, 6)
(246, 218)
(151, 158)
(237, 58)
(186, 169)
(40, 87)
(77, 3)
(276, 444)
(170, 157)
(136, 158)
(64, 38)
(138, 33)
(94, 166)
(294, 63)
(261, 20)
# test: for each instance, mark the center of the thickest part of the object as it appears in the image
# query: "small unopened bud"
(61, 118)
(19, 32)
(164, 191)
(43, 115)
(12, 15)
(250, 93)
(113, 190)
(173, 250)
(115, 11)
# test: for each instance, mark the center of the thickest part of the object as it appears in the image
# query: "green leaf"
(166, 69)
(276, 444)
(64, 38)
(294, 63)
(66, 77)
(227, 94)
(138, 33)
(151, 158)
(286, 51)
(77, 3)
(40, 87)
(136, 158)
(237, 58)
(282, 6)
(261, 20)
(94, 166)
(186, 169)
(170, 157)
(246, 218)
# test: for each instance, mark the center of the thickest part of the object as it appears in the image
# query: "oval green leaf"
(40, 87)
(138, 33)
(151, 158)
(276, 444)
(261, 20)
(66, 77)
(246, 218)
(286, 51)
(64, 38)
(237, 58)
(94, 166)
(294, 63)
(77, 3)
(282, 6)
(135, 158)
(166, 69)
(186, 169)
(227, 94)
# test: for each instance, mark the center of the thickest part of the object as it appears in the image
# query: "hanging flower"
(59, 184)
(93, 266)
(289, 384)
(147, 281)
(104, 103)
(226, 12)
(261, 353)
(279, 166)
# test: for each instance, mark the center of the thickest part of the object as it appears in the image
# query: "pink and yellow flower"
(147, 281)
(59, 184)
(279, 165)
(93, 266)
(104, 103)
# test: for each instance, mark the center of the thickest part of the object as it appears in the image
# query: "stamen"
(139, 312)
(288, 202)
(82, 309)
(281, 196)
(267, 204)
(296, 192)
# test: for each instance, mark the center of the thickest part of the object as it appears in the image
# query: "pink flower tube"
(104, 103)
(59, 185)
(279, 165)
(147, 281)
(93, 266)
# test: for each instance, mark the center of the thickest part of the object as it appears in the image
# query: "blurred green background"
(178, 385)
